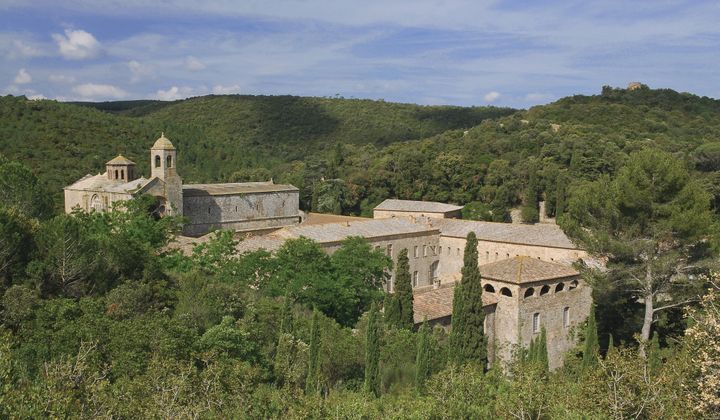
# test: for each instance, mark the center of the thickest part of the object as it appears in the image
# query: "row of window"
(426, 250)
(565, 319)
(530, 292)
(168, 161)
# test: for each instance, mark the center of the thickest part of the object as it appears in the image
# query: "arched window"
(95, 203)
(116, 174)
(545, 290)
(169, 162)
(416, 277)
(530, 292)
(573, 284)
(560, 287)
(158, 161)
(505, 292)
(489, 288)
(434, 270)
(122, 174)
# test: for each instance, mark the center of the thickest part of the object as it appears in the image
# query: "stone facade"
(237, 206)
(407, 208)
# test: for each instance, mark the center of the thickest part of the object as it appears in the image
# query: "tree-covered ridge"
(217, 135)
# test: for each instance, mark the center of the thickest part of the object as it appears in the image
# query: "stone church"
(246, 206)
(528, 280)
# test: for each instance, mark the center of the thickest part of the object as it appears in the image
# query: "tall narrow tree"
(372, 353)
(391, 310)
(591, 348)
(313, 375)
(403, 291)
(654, 359)
(473, 343)
(457, 331)
(422, 358)
(541, 351)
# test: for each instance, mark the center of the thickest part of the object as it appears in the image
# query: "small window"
(457, 252)
(208, 210)
(530, 292)
(168, 161)
(122, 174)
(425, 253)
(489, 288)
(415, 251)
(505, 292)
(416, 277)
(116, 174)
(545, 290)
(536, 322)
(487, 255)
(573, 285)
(560, 287)
(158, 161)
(507, 255)
(389, 250)
(566, 317)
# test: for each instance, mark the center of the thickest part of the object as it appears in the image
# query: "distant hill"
(217, 135)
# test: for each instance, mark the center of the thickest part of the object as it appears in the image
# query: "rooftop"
(367, 228)
(323, 219)
(120, 160)
(438, 303)
(163, 143)
(525, 270)
(417, 206)
(538, 234)
(193, 190)
(100, 182)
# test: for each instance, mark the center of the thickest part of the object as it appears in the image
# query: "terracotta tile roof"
(367, 228)
(120, 160)
(525, 269)
(417, 206)
(191, 190)
(538, 234)
(438, 303)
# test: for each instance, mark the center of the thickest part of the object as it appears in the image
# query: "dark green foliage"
(403, 294)
(312, 383)
(561, 195)
(474, 347)
(422, 359)
(541, 351)
(391, 309)
(611, 345)
(591, 348)
(21, 191)
(16, 246)
(286, 316)
(457, 333)
(372, 353)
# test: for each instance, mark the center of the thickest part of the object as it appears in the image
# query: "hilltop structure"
(247, 206)
(527, 279)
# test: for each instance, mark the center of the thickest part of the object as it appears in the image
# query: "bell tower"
(163, 164)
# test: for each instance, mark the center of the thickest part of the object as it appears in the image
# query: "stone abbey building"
(247, 206)
(527, 275)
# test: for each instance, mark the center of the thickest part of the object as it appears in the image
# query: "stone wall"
(248, 211)
(488, 252)
(82, 199)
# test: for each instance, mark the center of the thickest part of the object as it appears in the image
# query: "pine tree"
(457, 331)
(372, 353)
(313, 381)
(403, 291)
(422, 362)
(473, 343)
(590, 352)
(654, 358)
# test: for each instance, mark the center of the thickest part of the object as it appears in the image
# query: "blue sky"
(518, 54)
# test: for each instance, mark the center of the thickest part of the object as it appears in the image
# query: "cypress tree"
(286, 316)
(591, 349)
(284, 349)
(403, 291)
(457, 326)
(391, 307)
(541, 352)
(473, 344)
(654, 358)
(560, 196)
(372, 353)
(611, 346)
(312, 381)
(422, 362)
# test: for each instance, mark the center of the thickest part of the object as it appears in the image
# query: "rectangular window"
(424, 250)
(566, 317)
(536, 322)
(415, 251)
(458, 252)
(416, 276)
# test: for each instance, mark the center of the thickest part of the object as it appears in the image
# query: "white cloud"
(37, 97)
(61, 78)
(99, 91)
(23, 77)
(491, 96)
(77, 44)
(225, 90)
(193, 64)
(138, 70)
(174, 93)
(22, 49)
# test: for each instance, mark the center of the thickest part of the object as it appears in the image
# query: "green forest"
(101, 319)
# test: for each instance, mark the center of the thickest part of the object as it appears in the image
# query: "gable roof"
(101, 183)
(438, 303)
(541, 234)
(368, 228)
(417, 206)
(194, 190)
(525, 270)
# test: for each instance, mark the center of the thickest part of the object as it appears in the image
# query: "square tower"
(163, 164)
